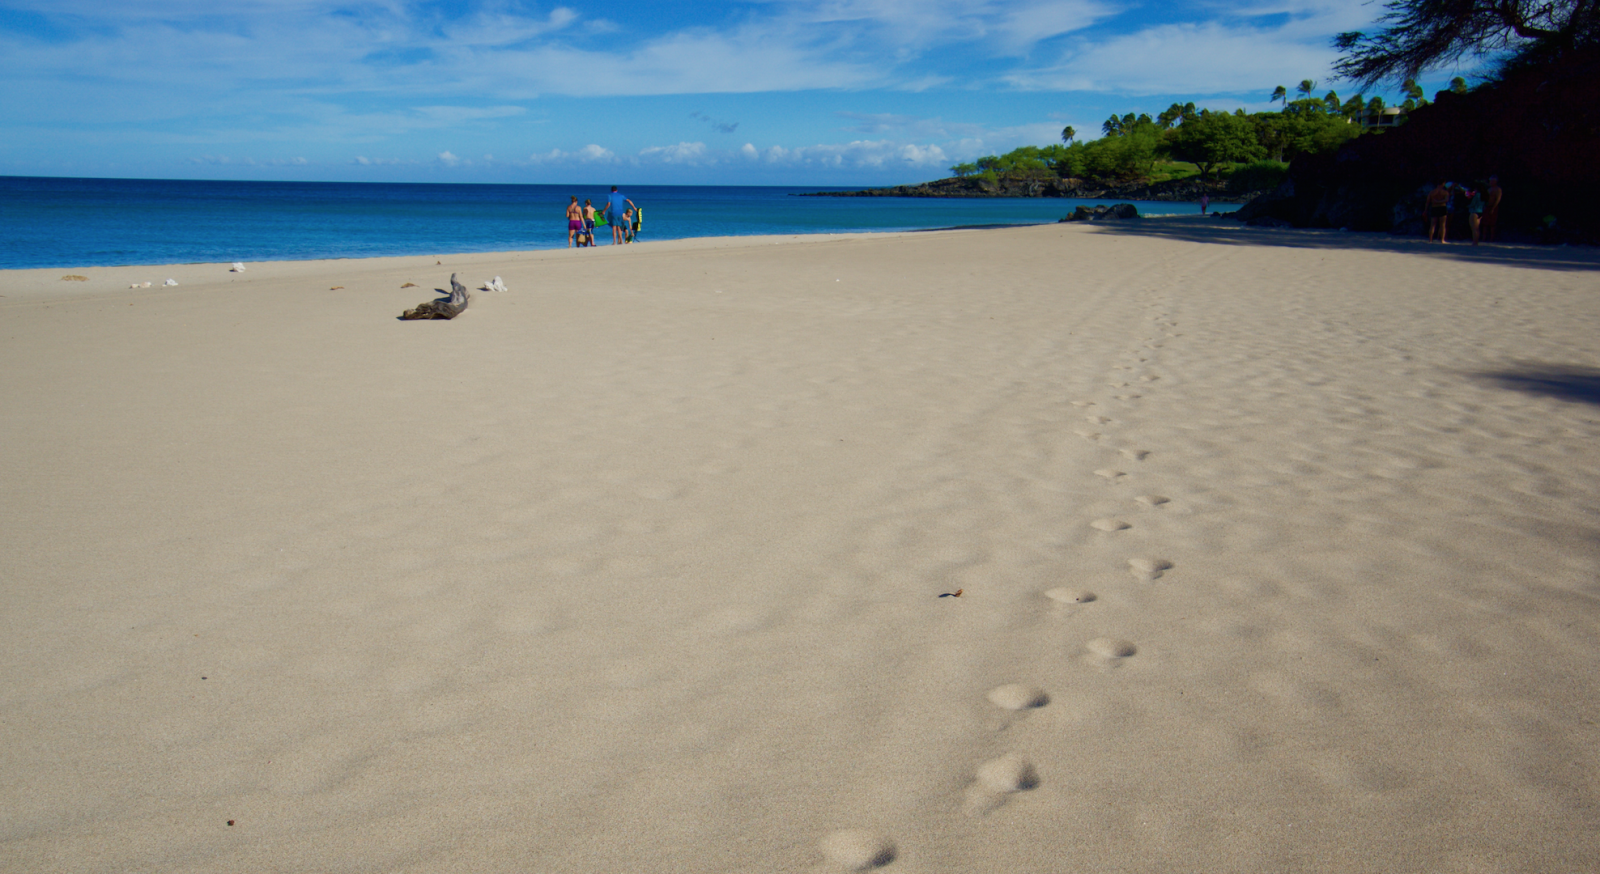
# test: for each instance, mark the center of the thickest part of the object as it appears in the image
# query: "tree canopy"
(1134, 143)
(1210, 138)
(1417, 35)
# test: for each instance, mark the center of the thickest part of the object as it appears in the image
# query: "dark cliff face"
(1538, 130)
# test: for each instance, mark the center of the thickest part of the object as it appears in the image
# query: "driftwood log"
(444, 307)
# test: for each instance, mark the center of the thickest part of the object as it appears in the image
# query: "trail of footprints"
(996, 780)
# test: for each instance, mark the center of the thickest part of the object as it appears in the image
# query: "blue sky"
(841, 92)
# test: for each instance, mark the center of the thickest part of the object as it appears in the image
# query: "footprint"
(1110, 474)
(1153, 500)
(1096, 420)
(1127, 397)
(1007, 774)
(1148, 568)
(997, 779)
(1070, 596)
(1110, 525)
(1111, 648)
(1083, 403)
(1015, 696)
(1086, 434)
(1148, 378)
(1136, 454)
(857, 850)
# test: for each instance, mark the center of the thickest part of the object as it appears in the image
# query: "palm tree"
(1331, 99)
(1414, 94)
(1067, 134)
(1305, 87)
(1280, 94)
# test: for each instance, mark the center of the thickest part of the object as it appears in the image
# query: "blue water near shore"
(57, 222)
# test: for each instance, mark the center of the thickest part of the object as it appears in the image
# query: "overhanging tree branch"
(1418, 35)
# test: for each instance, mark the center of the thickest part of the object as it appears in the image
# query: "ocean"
(59, 222)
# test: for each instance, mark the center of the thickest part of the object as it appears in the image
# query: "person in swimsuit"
(1491, 209)
(1474, 212)
(1438, 209)
(588, 222)
(574, 222)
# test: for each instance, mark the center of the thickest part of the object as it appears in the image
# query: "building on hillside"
(1389, 116)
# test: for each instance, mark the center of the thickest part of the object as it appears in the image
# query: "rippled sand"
(1275, 551)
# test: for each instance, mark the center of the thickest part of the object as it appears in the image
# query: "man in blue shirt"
(617, 206)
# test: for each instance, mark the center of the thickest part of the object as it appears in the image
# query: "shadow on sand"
(1227, 232)
(1569, 383)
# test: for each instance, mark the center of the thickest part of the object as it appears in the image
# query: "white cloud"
(448, 159)
(1247, 49)
(682, 153)
(589, 154)
(501, 28)
(292, 51)
(915, 26)
(859, 154)
(749, 152)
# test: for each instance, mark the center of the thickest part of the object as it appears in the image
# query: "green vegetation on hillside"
(1184, 141)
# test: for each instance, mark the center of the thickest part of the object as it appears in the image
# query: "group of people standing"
(1482, 208)
(619, 212)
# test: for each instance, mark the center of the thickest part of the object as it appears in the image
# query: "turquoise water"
(51, 222)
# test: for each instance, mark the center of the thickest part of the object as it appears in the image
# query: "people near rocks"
(617, 208)
(1438, 206)
(1205, 201)
(574, 223)
(1490, 223)
(1474, 211)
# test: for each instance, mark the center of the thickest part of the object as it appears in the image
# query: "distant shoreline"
(1176, 190)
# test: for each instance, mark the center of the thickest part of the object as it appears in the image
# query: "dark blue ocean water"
(54, 222)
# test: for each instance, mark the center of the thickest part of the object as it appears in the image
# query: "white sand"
(635, 567)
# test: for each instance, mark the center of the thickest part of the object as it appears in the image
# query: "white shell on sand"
(1016, 696)
(857, 850)
(1009, 773)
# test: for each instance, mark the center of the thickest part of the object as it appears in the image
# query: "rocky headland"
(1537, 129)
(1052, 186)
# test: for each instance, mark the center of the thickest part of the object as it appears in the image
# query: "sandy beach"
(1275, 551)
